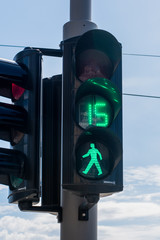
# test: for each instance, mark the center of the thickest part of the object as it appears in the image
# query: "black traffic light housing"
(20, 80)
(51, 154)
(32, 124)
(92, 114)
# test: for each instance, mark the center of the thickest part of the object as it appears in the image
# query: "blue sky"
(134, 213)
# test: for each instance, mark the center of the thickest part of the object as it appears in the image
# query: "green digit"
(97, 114)
(101, 114)
(90, 114)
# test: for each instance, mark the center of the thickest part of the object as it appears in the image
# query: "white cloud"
(135, 203)
(130, 194)
(127, 210)
(7, 209)
(42, 226)
(5, 235)
(132, 232)
(3, 187)
(149, 175)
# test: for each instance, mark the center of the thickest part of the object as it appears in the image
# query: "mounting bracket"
(83, 211)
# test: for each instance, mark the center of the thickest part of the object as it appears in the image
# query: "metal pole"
(71, 227)
(80, 19)
(80, 10)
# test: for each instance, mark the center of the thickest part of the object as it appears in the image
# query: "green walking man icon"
(93, 152)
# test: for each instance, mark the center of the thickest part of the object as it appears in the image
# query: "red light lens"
(17, 91)
(93, 63)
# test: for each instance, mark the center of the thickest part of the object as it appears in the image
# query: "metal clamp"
(83, 211)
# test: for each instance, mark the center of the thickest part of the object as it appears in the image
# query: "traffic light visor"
(97, 54)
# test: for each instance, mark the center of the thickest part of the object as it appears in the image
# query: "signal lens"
(17, 91)
(93, 63)
(16, 137)
(93, 110)
(98, 102)
(15, 181)
(93, 160)
(98, 151)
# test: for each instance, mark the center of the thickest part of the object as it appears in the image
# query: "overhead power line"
(141, 55)
(12, 46)
(127, 54)
(140, 95)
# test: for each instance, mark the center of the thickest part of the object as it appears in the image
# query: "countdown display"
(93, 110)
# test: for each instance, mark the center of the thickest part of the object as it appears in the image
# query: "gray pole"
(71, 227)
(80, 19)
(80, 10)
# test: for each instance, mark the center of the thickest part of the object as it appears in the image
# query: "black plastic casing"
(71, 132)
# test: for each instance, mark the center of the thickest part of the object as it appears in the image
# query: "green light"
(93, 152)
(93, 110)
(90, 114)
(98, 102)
(93, 159)
(101, 114)
(15, 181)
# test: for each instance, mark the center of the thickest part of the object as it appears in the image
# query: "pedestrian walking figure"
(93, 152)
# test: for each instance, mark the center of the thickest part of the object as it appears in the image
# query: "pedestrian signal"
(93, 153)
(92, 114)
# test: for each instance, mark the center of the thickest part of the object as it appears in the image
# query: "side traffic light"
(20, 80)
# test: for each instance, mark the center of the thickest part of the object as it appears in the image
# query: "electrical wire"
(141, 55)
(140, 95)
(126, 54)
(12, 46)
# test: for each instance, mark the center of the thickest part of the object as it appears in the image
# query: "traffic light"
(92, 114)
(20, 80)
